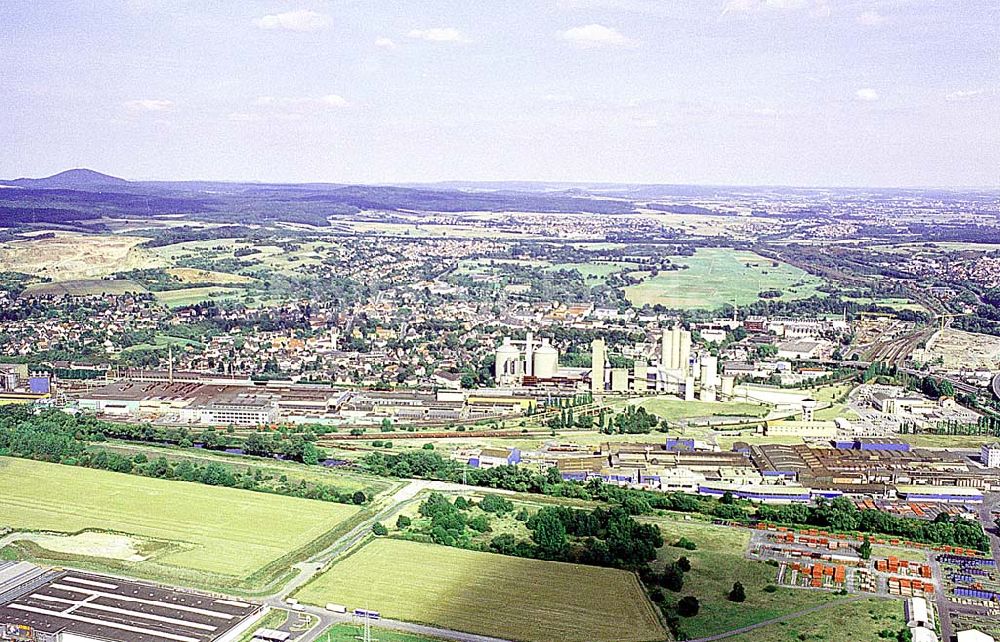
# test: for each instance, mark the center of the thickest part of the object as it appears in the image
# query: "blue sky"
(793, 92)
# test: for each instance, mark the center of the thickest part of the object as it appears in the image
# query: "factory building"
(37, 605)
(675, 353)
(989, 455)
(514, 364)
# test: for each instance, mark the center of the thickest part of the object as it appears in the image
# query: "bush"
(684, 564)
(403, 522)
(686, 544)
(688, 606)
(379, 529)
(770, 588)
(738, 594)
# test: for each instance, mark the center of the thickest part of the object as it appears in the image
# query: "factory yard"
(191, 533)
(718, 277)
(964, 350)
(487, 594)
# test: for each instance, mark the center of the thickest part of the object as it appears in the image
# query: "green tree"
(688, 606)
(738, 594)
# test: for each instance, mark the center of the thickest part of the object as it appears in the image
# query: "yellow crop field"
(213, 531)
(488, 594)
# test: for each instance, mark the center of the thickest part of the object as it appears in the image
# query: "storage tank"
(684, 358)
(639, 376)
(689, 388)
(507, 358)
(597, 357)
(728, 384)
(709, 369)
(546, 361)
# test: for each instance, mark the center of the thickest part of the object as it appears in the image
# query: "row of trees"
(843, 515)
(839, 514)
(61, 438)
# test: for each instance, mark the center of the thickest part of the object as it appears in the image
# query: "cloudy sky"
(794, 92)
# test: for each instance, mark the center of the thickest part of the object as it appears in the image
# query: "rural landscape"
(443, 321)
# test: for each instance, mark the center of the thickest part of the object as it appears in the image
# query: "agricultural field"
(719, 561)
(849, 622)
(593, 271)
(192, 275)
(72, 257)
(717, 277)
(488, 594)
(197, 534)
(190, 296)
(84, 287)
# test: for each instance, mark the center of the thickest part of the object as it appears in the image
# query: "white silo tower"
(507, 360)
(546, 363)
(684, 358)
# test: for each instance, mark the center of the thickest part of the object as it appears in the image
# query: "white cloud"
(438, 34)
(302, 104)
(385, 43)
(866, 94)
(871, 19)
(751, 6)
(244, 117)
(301, 20)
(595, 36)
(967, 94)
(149, 104)
(818, 8)
(558, 98)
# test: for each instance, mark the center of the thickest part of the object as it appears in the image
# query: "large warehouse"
(66, 606)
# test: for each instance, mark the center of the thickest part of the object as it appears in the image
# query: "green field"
(715, 565)
(487, 594)
(594, 271)
(190, 296)
(673, 409)
(860, 621)
(85, 287)
(898, 304)
(716, 277)
(203, 534)
(161, 341)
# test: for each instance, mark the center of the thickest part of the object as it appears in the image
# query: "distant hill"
(82, 179)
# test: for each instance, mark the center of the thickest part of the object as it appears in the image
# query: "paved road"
(386, 508)
(790, 616)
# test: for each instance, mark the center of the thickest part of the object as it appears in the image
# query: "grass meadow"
(718, 562)
(716, 277)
